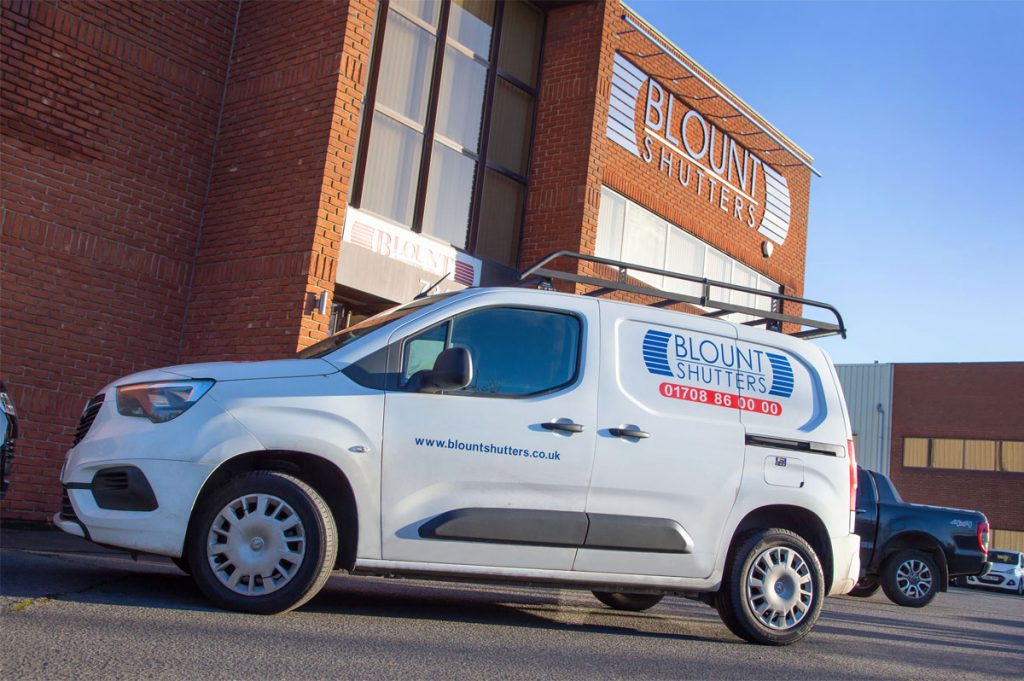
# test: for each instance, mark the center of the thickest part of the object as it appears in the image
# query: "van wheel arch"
(798, 520)
(326, 478)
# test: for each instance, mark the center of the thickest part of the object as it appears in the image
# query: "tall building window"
(629, 232)
(445, 144)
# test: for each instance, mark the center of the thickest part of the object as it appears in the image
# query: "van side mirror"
(453, 369)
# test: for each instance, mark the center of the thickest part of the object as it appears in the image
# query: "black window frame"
(483, 162)
(397, 354)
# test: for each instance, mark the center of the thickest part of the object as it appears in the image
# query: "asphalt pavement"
(70, 609)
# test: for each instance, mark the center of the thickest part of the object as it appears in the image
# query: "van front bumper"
(94, 511)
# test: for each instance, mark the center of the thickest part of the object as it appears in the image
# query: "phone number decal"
(720, 399)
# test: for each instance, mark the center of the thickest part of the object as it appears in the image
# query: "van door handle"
(564, 427)
(629, 432)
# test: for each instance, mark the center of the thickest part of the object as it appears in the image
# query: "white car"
(507, 434)
(1007, 572)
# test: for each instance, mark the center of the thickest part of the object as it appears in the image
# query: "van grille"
(92, 408)
(111, 480)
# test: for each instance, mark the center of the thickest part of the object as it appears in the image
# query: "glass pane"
(686, 256)
(470, 23)
(461, 99)
(421, 9)
(718, 266)
(518, 352)
(511, 127)
(643, 243)
(422, 350)
(765, 284)
(501, 215)
(404, 80)
(609, 225)
(743, 276)
(392, 168)
(519, 54)
(449, 192)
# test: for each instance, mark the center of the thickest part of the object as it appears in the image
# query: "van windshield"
(369, 325)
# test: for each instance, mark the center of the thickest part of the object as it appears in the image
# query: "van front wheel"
(772, 589)
(264, 543)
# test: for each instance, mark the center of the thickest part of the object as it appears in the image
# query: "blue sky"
(914, 113)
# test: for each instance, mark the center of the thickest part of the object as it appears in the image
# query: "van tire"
(273, 530)
(777, 569)
(910, 578)
(628, 602)
(867, 586)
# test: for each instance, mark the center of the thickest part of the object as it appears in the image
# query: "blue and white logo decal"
(718, 371)
(656, 352)
(782, 375)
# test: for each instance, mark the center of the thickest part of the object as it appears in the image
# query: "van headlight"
(160, 402)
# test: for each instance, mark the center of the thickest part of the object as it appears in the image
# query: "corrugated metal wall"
(868, 390)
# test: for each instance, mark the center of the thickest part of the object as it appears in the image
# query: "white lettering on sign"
(392, 241)
(684, 145)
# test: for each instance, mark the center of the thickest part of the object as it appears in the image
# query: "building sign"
(403, 245)
(682, 143)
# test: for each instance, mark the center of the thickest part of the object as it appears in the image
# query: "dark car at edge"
(912, 551)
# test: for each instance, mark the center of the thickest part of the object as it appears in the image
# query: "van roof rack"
(772, 319)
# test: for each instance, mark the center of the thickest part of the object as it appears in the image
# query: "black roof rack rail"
(771, 319)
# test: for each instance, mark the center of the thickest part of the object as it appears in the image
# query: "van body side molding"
(508, 526)
(570, 529)
(793, 445)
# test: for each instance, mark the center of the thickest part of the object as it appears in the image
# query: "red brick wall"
(109, 114)
(271, 232)
(564, 190)
(573, 157)
(960, 401)
(651, 187)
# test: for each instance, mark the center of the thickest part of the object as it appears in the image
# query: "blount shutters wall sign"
(403, 245)
(703, 158)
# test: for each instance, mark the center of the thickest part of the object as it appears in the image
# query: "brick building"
(234, 180)
(952, 435)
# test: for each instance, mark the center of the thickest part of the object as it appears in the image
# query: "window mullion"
(428, 125)
(369, 104)
(485, 129)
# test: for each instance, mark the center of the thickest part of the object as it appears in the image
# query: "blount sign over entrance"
(695, 152)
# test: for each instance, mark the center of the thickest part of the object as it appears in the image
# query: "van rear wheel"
(264, 543)
(629, 602)
(772, 589)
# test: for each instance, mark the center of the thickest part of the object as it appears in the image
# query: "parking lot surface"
(71, 609)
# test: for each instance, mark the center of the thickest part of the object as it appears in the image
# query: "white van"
(509, 434)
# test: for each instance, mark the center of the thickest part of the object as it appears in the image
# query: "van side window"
(515, 351)
(421, 350)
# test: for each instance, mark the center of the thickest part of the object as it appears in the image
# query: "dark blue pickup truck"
(912, 551)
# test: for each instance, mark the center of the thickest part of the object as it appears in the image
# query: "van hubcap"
(256, 544)
(780, 590)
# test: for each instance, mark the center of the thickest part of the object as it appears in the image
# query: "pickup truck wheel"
(866, 587)
(630, 602)
(910, 578)
(265, 543)
(772, 589)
